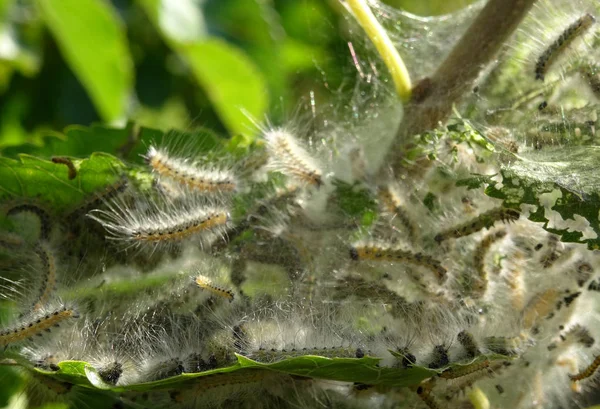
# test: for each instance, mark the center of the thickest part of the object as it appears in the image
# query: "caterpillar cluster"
(199, 281)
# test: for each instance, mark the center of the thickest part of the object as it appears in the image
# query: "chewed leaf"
(573, 171)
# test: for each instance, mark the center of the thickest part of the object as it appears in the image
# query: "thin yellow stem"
(385, 47)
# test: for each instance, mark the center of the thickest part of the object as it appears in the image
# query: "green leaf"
(32, 178)
(76, 141)
(363, 370)
(573, 171)
(180, 20)
(231, 81)
(354, 200)
(93, 42)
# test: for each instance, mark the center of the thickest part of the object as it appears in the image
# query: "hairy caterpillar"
(95, 199)
(48, 275)
(538, 307)
(163, 225)
(587, 372)
(221, 386)
(190, 174)
(440, 357)
(36, 327)
(206, 284)
(480, 253)
(43, 216)
(111, 373)
(385, 253)
(504, 345)
(424, 392)
(287, 156)
(464, 370)
(484, 220)
(575, 30)
(468, 343)
(11, 241)
(273, 355)
(392, 203)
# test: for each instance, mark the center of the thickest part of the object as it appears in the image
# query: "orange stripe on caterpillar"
(392, 203)
(548, 57)
(484, 220)
(43, 324)
(189, 174)
(587, 372)
(183, 230)
(49, 275)
(161, 223)
(206, 284)
(290, 158)
(382, 253)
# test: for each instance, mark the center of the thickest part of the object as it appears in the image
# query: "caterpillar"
(43, 216)
(550, 55)
(11, 241)
(286, 155)
(577, 333)
(469, 374)
(163, 225)
(508, 346)
(48, 276)
(98, 197)
(226, 383)
(384, 253)
(440, 357)
(273, 355)
(206, 284)
(484, 220)
(190, 174)
(480, 253)
(392, 203)
(464, 370)
(587, 372)
(515, 280)
(591, 73)
(111, 373)
(163, 369)
(540, 305)
(468, 343)
(425, 394)
(68, 163)
(36, 327)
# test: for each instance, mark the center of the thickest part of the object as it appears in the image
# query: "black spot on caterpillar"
(484, 220)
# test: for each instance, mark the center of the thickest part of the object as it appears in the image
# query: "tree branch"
(433, 97)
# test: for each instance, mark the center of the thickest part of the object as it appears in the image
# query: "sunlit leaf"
(105, 71)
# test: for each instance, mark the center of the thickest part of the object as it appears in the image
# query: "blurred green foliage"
(164, 64)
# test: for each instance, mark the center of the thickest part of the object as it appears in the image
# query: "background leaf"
(106, 71)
